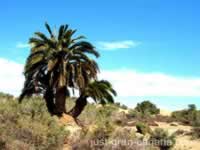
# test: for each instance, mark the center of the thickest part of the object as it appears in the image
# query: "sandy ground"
(183, 142)
(123, 110)
(165, 112)
(171, 129)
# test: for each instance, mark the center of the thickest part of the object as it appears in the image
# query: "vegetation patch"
(195, 133)
(29, 126)
(143, 128)
(161, 138)
(189, 116)
(146, 107)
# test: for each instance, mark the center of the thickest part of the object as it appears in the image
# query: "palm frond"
(100, 91)
(78, 38)
(45, 39)
(85, 47)
(49, 29)
(65, 28)
(61, 32)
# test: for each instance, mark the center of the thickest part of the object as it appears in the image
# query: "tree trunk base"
(60, 101)
(81, 102)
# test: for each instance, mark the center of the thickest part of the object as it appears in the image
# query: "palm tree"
(100, 91)
(56, 63)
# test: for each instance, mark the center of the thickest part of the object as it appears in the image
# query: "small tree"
(147, 107)
(192, 107)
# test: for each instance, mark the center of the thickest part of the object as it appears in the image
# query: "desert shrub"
(97, 113)
(5, 96)
(195, 133)
(123, 133)
(190, 116)
(180, 132)
(122, 106)
(29, 126)
(143, 128)
(125, 139)
(118, 104)
(119, 118)
(161, 138)
(147, 107)
(115, 139)
(95, 138)
(100, 130)
(181, 116)
(161, 118)
(133, 113)
(103, 131)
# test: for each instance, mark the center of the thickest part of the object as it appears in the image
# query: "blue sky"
(162, 36)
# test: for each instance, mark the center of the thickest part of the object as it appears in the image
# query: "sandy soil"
(183, 142)
(165, 112)
(123, 110)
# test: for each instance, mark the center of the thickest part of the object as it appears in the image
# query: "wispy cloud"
(22, 45)
(115, 45)
(133, 83)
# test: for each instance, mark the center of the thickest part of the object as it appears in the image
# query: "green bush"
(29, 126)
(147, 107)
(190, 116)
(161, 138)
(132, 113)
(143, 128)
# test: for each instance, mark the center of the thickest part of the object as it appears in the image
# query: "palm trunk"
(81, 102)
(60, 101)
(48, 96)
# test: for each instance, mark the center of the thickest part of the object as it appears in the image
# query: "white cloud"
(11, 77)
(132, 83)
(22, 45)
(126, 82)
(117, 45)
